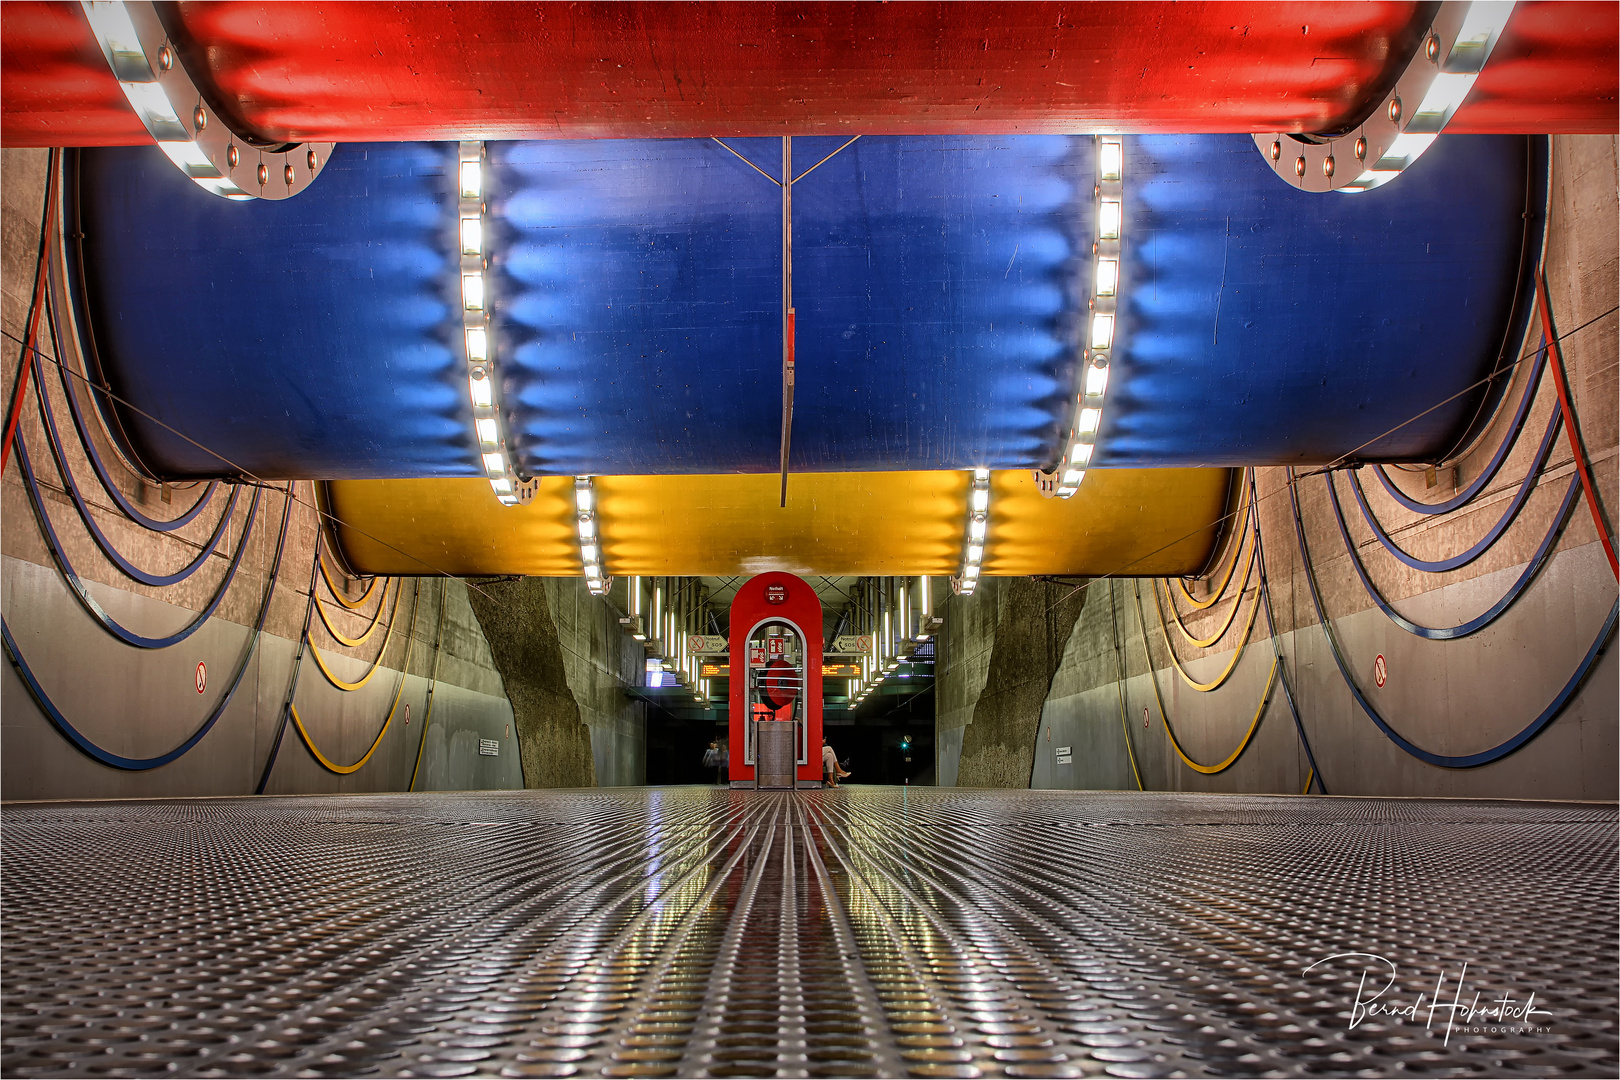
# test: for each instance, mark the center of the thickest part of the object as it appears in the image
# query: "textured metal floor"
(859, 932)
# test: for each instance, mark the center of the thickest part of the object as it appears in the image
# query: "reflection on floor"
(859, 932)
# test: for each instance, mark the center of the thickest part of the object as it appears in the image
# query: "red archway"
(782, 598)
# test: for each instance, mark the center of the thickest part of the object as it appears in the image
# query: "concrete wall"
(993, 668)
(141, 703)
(1451, 697)
(566, 663)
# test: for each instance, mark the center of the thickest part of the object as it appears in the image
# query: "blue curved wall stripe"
(940, 284)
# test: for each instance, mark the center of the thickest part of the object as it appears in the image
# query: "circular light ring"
(174, 112)
(489, 430)
(1407, 119)
(1107, 287)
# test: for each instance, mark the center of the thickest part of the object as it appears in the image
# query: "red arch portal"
(784, 598)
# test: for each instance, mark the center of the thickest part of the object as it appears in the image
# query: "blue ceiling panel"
(317, 336)
(1263, 325)
(640, 299)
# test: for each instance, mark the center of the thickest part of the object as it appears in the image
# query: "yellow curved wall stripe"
(1122, 521)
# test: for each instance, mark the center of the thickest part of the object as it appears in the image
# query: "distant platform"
(864, 931)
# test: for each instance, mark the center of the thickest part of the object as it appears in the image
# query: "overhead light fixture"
(590, 554)
(488, 432)
(978, 527)
(1064, 479)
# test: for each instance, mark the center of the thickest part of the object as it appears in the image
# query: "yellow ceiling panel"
(455, 527)
(1126, 521)
(1129, 522)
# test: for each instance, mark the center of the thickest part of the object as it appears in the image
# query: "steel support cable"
(1119, 684)
(376, 665)
(58, 450)
(1237, 654)
(1444, 761)
(376, 619)
(82, 428)
(60, 721)
(1231, 616)
(337, 593)
(433, 682)
(82, 592)
(1276, 649)
(1509, 440)
(1491, 614)
(1572, 425)
(399, 689)
(36, 308)
(1231, 565)
(1484, 544)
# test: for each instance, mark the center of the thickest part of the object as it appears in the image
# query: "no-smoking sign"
(1380, 670)
(202, 676)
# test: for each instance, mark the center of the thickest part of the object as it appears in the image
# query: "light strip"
(1102, 330)
(148, 69)
(488, 432)
(978, 527)
(590, 544)
(1405, 123)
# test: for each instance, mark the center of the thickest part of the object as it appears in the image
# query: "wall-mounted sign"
(756, 656)
(1380, 670)
(852, 644)
(1065, 755)
(202, 676)
(776, 594)
(489, 747)
(706, 644)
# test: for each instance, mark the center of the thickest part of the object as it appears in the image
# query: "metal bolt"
(233, 156)
(312, 159)
(1395, 110)
(199, 119)
(1432, 48)
(1327, 165)
(1361, 149)
(165, 58)
(1276, 150)
(264, 174)
(1299, 165)
(287, 174)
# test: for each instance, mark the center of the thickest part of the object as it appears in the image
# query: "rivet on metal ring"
(1276, 150)
(199, 119)
(233, 156)
(1327, 165)
(1299, 165)
(1432, 49)
(1361, 149)
(312, 159)
(1395, 110)
(287, 175)
(165, 58)
(264, 174)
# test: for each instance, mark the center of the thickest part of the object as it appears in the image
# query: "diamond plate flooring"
(858, 932)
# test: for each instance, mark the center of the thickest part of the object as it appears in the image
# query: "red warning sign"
(776, 594)
(202, 676)
(1380, 670)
